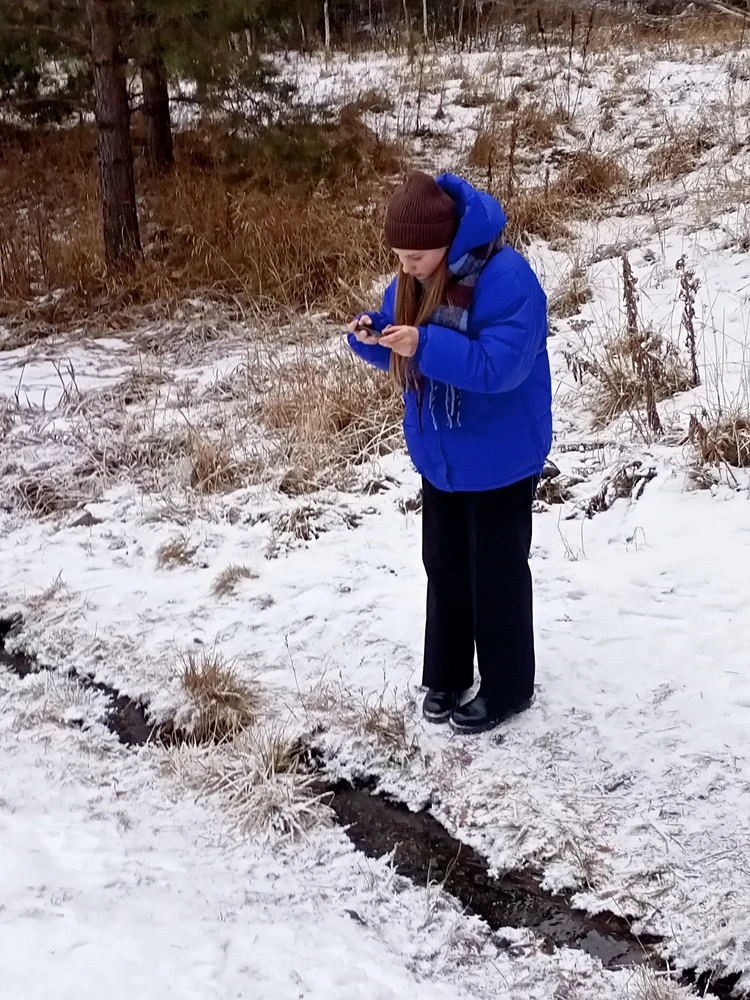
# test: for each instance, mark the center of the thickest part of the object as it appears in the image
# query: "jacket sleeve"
(375, 354)
(502, 356)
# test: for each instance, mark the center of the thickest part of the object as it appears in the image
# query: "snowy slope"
(629, 781)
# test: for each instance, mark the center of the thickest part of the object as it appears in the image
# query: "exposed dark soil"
(124, 717)
(424, 850)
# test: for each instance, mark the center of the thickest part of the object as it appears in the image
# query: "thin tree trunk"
(327, 26)
(461, 25)
(425, 26)
(159, 143)
(122, 241)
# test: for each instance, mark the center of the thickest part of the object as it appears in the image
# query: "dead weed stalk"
(637, 368)
(689, 286)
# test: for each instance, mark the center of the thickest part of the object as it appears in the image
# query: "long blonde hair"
(415, 304)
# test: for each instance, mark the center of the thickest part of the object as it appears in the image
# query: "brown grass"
(542, 212)
(227, 581)
(534, 127)
(285, 220)
(212, 469)
(332, 411)
(224, 704)
(635, 370)
(678, 155)
(575, 293)
(585, 182)
(373, 101)
(722, 438)
(176, 552)
(631, 28)
(44, 497)
(275, 750)
(618, 371)
(591, 177)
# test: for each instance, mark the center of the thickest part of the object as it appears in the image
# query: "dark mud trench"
(123, 717)
(425, 852)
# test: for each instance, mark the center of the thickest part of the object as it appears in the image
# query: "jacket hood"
(481, 216)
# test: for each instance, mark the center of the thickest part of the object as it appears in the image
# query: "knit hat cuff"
(420, 235)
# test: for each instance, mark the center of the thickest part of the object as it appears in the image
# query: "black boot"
(480, 715)
(439, 705)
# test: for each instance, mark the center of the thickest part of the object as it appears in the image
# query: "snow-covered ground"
(628, 782)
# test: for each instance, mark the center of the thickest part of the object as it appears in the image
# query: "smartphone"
(367, 328)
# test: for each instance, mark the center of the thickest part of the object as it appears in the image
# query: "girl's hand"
(359, 328)
(403, 340)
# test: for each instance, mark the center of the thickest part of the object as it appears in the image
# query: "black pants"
(476, 553)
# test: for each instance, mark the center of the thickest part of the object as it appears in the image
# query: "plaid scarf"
(463, 275)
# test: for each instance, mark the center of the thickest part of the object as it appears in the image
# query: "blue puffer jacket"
(500, 365)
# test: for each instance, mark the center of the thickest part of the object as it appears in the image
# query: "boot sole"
(493, 723)
(437, 720)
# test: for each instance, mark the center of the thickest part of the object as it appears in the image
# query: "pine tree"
(121, 235)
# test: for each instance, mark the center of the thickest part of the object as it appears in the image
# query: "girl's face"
(422, 264)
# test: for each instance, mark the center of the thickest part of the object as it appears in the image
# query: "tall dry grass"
(331, 413)
(290, 219)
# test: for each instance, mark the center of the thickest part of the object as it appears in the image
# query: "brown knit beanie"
(420, 215)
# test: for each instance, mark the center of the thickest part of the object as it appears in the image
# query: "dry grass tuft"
(275, 750)
(387, 723)
(176, 552)
(618, 371)
(57, 587)
(332, 412)
(44, 497)
(226, 582)
(721, 438)
(575, 293)
(211, 468)
(262, 782)
(592, 177)
(224, 705)
(139, 385)
(678, 155)
(325, 696)
(301, 522)
(542, 212)
(374, 102)
(502, 128)
(638, 368)
(648, 985)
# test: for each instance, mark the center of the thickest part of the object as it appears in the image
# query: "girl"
(463, 331)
